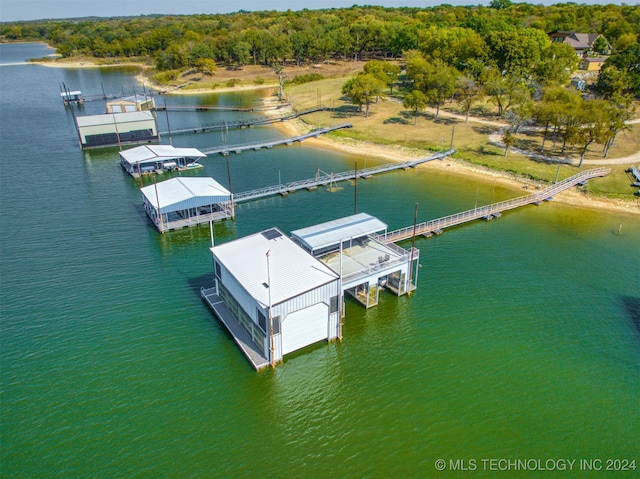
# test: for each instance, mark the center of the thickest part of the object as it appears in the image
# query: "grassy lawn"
(390, 124)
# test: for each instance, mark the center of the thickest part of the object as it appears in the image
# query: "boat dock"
(225, 150)
(226, 125)
(435, 227)
(330, 178)
(203, 108)
(238, 333)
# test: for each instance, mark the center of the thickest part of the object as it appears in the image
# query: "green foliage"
(415, 101)
(233, 82)
(165, 77)
(621, 73)
(362, 89)
(363, 33)
(307, 78)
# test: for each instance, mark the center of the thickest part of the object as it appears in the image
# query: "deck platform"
(240, 336)
(203, 218)
(225, 150)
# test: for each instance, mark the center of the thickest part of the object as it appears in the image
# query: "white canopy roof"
(142, 154)
(181, 193)
(292, 271)
(333, 232)
(111, 118)
(137, 98)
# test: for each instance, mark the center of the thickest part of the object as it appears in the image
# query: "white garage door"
(304, 327)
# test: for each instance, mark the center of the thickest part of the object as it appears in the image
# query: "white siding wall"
(321, 295)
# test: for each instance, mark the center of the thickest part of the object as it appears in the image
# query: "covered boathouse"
(182, 202)
(113, 129)
(158, 159)
(273, 297)
(135, 102)
(365, 265)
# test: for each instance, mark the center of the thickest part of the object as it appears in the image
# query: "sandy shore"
(456, 167)
(384, 152)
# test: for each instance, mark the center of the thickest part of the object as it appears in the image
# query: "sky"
(13, 10)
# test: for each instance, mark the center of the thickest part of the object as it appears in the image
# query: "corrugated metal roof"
(137, 98)
(111, 118)
(180, 193)
(335, 231)
(144, 153)
(292, 270)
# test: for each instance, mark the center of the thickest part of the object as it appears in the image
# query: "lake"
(522, 341)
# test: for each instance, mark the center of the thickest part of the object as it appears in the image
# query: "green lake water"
(521, 342)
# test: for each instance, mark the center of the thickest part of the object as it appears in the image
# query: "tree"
(601, 46)
(435, 79)
(415, 101)
(621, 73)
(504, 89)
(625, 41)
(516, 52)
(469, 92)
(592, 126)
(557, 62)
(508, 138)
(384, 71)
(362, 89)
(206, 66)
(500, 4)
(618, 111)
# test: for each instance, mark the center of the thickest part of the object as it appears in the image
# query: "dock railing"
(489, 211)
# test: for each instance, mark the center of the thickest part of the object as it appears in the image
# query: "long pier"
(434, 227)
(331, 178)
(225, 150)
(203, 108)
(224, 125)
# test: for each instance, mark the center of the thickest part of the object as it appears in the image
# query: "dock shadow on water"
(632, 308)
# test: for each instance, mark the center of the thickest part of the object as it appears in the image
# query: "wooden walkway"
(230, 125)
(328, 179)
(225, 150)
(240, 336)
(434, 227)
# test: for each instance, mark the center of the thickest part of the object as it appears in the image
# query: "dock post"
(413, 243)
(355, 189)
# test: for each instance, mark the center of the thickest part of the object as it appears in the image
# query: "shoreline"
(383, 152)
(455, 167)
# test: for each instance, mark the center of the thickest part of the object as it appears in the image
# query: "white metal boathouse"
(116, 129)
(182, 202)
(273, 296)
(364, 264)
(158, 159)
(135, 102)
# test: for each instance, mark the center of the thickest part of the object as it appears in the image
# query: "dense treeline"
(268, 37)
(502, 52)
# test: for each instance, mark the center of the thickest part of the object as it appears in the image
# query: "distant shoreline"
(384, 152)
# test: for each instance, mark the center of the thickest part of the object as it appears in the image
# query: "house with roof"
(591, 64)
(182, 202)
(113, 129)
(158, 159)
(582, 43)
(273, 297)
(135, 102)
